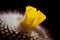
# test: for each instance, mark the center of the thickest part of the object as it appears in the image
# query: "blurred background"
(44, 5)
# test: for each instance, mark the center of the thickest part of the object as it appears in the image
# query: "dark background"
(44, 5)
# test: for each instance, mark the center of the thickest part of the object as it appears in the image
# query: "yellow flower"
(32, 17)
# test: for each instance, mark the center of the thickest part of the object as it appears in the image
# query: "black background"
(44, 5)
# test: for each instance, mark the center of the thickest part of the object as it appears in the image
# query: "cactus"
(13, 25)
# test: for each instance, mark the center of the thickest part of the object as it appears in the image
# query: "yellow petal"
(32, 17)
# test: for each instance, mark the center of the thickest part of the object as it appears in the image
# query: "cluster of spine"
(7, 34)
